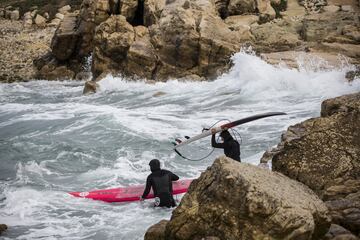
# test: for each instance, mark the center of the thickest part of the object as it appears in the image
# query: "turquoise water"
(54, 140)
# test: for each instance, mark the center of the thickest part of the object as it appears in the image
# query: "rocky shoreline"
(311, 193)
(193, 40)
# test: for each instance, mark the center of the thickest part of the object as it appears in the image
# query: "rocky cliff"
(324, 154)
(195, 39)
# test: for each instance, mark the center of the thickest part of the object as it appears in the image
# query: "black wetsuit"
(231, 146)
(161, 183)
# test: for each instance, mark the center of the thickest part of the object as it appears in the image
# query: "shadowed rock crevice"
(139, 14)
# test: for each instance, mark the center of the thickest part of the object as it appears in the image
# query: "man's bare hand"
(213, 131)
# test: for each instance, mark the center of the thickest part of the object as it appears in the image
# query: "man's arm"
(147, 188)
(215, 144)
(174, 177)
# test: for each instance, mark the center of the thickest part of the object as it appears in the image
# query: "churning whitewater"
(54, 140)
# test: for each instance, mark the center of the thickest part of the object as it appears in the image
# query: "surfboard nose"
(75, 194)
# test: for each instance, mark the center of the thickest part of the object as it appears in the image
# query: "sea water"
(54, 140)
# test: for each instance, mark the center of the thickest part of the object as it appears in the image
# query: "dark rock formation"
(234, 200)
(3, 228)
(337, 232)
(64, 42)
(157, 231)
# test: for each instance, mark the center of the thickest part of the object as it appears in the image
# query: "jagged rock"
(27, 19)
(238, 7)
(152, 11)
(128, 8)
(40, 21)
(114, 6)
(328, 27)
(231, 200)
(113, 39)
(351, 75)
(92, 13)
(156, 231)
(102, 10)
(65, 39)
(279, 36)
(324, 154)
(54, 72)
(241, 23)
(65, 9)
(337, 232)
(83, 76)
(90, 87)
(315, 151)
(141, 58)
(343, 104)
(14, 15)
(349, 50)
(290, 58)
(3, 228)
(55, 22)
(59, 16)
(33, 13)
(217, 43)
(267, 12)
(345, 212)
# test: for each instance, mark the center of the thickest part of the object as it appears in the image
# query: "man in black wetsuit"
(230, 145)
(160, 181)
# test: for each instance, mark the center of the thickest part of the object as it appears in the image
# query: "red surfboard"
(129, 194)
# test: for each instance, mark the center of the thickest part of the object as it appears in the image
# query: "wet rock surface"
(231, 200)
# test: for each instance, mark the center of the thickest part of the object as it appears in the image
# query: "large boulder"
(322, 151)
(281, 35)
(3, 228)
(187, 39)
(65, 39)
(14, 15)
(40, 21)
(233, 200)
(324, 154)
(331, 27)
(112, 41)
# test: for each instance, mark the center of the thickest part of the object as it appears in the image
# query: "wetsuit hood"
(226, 135)
(154, 165)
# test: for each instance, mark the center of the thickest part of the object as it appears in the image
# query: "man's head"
(154, 165)
(226, 135)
